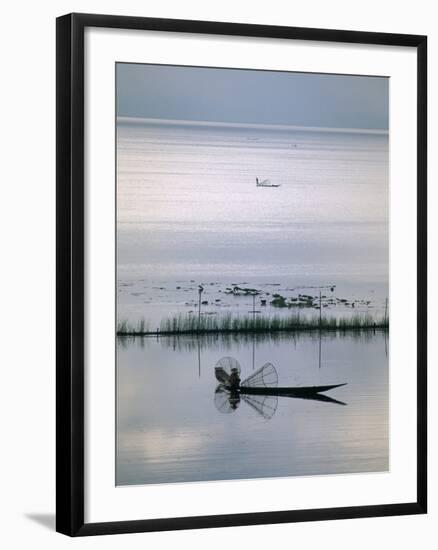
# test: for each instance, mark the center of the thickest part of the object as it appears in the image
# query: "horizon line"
(247, 125)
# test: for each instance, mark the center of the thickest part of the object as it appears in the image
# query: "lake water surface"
(170, 430)
(189, 213)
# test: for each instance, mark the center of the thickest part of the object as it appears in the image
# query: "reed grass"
(124, 327)
(190, 324)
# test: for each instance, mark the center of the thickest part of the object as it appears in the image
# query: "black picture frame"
(70, 273)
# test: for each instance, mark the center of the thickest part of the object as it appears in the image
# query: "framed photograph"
(241, 274)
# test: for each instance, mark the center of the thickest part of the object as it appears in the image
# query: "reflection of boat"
(260, 389)
(227, 401)
(266, 183)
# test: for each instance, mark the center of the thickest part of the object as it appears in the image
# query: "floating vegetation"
(189, 324)
(279, 301)
(240, 291)
(303, 300)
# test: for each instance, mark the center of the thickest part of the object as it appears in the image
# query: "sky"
(252, 97)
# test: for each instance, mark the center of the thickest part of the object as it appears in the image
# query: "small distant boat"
(266, 183)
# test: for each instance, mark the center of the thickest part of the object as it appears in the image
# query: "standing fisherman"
(234, 380)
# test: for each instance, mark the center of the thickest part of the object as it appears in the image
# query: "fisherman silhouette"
(234, 379)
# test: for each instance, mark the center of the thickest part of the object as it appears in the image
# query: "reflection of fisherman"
(234, 380)
(234, 400)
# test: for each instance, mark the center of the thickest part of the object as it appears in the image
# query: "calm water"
(170, 430)
(189, 212)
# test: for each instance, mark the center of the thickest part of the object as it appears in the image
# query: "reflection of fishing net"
(224, 401)
(224, 367)
(264, 405)
(227, 402)
(264, 377)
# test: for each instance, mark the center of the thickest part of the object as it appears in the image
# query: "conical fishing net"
(224, 367)
(264, 377)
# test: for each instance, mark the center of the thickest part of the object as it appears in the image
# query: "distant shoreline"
(248, 125)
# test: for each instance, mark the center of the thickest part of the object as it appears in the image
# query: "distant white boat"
(266, 183)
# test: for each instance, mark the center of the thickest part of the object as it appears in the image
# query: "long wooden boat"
(298, 391)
